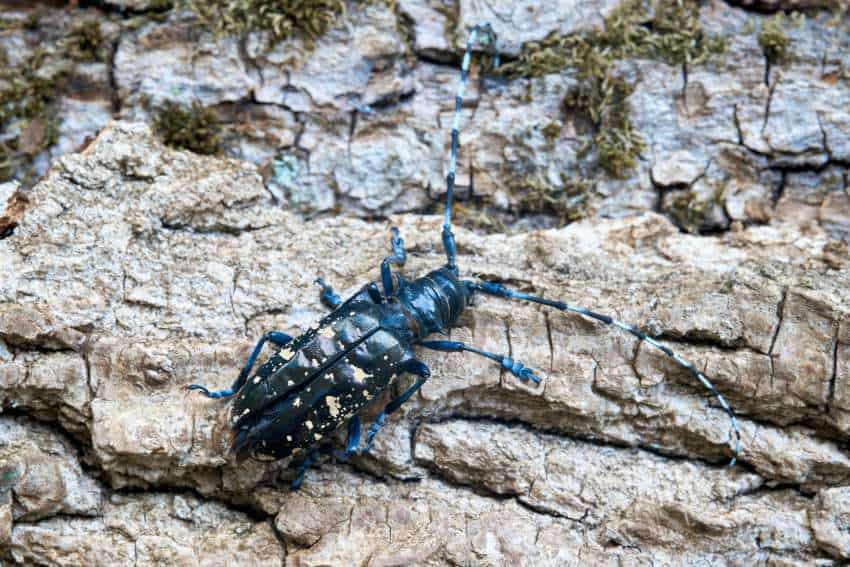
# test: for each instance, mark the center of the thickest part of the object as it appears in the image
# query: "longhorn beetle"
(324, 378)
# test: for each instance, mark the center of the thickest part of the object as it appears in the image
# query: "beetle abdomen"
(332, 376)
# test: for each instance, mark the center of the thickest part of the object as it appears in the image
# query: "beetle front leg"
(327, 295)
(276, 337)
(414, 367)
(398, 257)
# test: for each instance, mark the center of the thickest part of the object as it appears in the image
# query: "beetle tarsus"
(327, 295)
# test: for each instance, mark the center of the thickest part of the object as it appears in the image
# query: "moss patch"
(666, 30)
(28, 94)
(196, 129)
(283, 19)
(86, 42)
(568, 202)
(772, 39)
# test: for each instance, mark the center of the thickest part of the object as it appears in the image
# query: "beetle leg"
(514, 366)
(353, 440)
(276, 337)
(501, 291)
(302, 469)
(414, 367)
(327, 295)
(398, 257)
(353, 436)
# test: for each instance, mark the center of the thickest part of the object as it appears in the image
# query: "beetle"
(323, 379)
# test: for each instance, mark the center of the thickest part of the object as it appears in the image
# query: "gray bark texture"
(131, 269)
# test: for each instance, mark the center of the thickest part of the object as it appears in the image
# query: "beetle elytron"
(324, 378)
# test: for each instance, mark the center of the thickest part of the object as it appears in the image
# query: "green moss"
(666, 30)
(688, 211)
(772, 39)
(6, 163)
(551, 131)
(85, 42)
(603, 103)
(160, 5)
(451, 15)
(284, 19)
(479, 214)
(568, 202)
(28, 94)
(196, 129)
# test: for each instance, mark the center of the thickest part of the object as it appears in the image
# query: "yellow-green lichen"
(196, 128)
(667, 30)
(773, 40)
(283, 19)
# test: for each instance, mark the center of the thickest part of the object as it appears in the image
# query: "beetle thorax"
(435, 301)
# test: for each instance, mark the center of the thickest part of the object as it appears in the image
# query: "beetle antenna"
(501, 291)
(489, 37)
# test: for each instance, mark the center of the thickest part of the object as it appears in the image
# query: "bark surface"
(132, 269)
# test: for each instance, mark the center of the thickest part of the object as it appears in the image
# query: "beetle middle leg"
(514, 366)
(352, 441)
(414, 367)
(302, 469)
(276, 337)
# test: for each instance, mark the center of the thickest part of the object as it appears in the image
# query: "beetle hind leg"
(414, 367)
(276, 337)
(303, 468)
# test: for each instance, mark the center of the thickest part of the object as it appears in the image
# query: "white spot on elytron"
(286, 352)
(289, 438)
(290, 383)
(359, 375)
(333, 406)
(309, 424)
(386, 357)
(316, 436)
(351, 313)
(327, 332)
(296, 402)
(256, 379)
(314, 363)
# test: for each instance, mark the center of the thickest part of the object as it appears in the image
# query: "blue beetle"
(322, 380)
